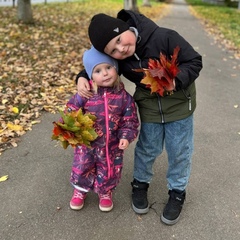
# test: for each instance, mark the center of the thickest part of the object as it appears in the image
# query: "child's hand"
(83, 88)
(123, 144)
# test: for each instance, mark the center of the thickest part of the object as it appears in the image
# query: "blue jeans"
(177, 137)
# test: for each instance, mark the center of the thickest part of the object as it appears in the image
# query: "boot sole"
(106, 209)
(76, 208)
(169, 222)
(140, 211)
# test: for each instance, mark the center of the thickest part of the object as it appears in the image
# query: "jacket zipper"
(107, 132)
(160, 109)
(189, 100)
(139, 60)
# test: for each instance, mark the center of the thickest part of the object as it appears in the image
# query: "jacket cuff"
(83, 73)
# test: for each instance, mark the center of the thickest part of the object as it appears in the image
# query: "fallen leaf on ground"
(3, 178)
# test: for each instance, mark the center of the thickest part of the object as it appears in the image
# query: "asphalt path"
(34, 201)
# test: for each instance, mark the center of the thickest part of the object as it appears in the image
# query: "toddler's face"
(104, 75)
(122, 46)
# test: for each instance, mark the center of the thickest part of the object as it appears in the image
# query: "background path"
(34, 201)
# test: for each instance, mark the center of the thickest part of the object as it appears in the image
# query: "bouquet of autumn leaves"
(160, 74)
(76, 128)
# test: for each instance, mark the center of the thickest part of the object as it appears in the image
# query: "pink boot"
(77, 200)
(105, 201)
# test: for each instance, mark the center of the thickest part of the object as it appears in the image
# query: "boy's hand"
(83, 88)
(123, 144)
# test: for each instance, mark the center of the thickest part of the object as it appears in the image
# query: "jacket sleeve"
(129, 123)
(83, 73)
(190, 61)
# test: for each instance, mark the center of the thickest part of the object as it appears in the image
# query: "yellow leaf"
(3, 178)
(35, 122)
(14, 127)
(60, 89)
(15, 110)
(61, 108)
(4, 101)
(150, 82)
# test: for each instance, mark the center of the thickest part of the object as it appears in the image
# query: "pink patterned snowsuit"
(99, 168)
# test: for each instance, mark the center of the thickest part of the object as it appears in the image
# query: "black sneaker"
(139, 197)
(172, 210)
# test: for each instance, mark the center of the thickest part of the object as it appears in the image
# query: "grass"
(220, 20)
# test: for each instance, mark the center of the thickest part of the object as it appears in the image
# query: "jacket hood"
(143, 24)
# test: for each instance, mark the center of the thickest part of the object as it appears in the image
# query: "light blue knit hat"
(93, 57)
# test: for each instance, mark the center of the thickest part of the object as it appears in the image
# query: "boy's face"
(104, 75)
(122, 46)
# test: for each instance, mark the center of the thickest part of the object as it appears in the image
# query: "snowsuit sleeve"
(129, 123)
(74, 103)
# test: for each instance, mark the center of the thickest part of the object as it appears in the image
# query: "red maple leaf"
(160, 73)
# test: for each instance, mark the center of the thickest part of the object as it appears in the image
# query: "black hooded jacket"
(152, 40)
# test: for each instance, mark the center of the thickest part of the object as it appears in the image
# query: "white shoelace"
(105, 196)
(78, 194)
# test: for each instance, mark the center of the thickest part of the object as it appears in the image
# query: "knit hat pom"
(103, 29)
(92, 57)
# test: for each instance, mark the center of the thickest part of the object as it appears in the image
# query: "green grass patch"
(222, 18)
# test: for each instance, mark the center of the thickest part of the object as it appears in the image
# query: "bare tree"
(24, 11)
(131, 5)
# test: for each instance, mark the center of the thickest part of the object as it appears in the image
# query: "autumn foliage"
(160, 74)
(75, 128)
(39, 62)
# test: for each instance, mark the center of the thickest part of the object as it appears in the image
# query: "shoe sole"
(169, 222)
(140, 211)
(105, 209)
(76, 207)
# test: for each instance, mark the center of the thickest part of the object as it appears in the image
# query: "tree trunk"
(24, 11)
(131, 5)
